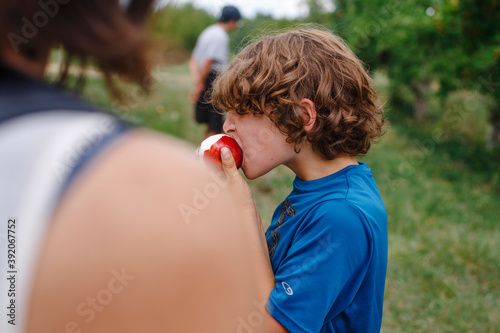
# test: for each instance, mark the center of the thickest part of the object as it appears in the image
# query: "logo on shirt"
(286, 209)
(287, 288)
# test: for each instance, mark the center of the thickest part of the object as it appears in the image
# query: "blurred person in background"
(107, 227)
(209, 57)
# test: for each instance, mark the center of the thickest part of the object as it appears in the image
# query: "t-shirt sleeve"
(323, 268)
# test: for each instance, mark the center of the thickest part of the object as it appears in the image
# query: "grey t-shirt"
(213, 43)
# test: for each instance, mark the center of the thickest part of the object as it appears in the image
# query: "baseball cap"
(229, 13)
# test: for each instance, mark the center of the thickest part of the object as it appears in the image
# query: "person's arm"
(262, 262)
(200, 77)
(205, 71)
(195, 75)
(193, 69)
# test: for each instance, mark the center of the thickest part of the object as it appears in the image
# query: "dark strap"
(21, 94)
(85, 159)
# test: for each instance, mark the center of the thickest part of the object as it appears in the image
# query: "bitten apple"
(209, 149)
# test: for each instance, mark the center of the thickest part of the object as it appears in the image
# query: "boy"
(303, 99)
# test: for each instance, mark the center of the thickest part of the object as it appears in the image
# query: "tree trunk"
(421, 104)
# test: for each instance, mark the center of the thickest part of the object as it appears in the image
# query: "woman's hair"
(272, 75)
(103, 31)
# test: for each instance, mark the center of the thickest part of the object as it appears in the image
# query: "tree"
(178, 26)
(319, 11)
(455, 43)
(471, 41)
(398, 36)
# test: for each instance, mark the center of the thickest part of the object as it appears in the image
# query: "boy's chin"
(252, 174)
(249, 176)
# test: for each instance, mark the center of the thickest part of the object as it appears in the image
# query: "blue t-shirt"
(328, 247)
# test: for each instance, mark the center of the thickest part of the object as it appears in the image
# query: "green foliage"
(464, 118)
(471, 35)
(179, 26)
(399, 37)
(453, 45)
(256, 27)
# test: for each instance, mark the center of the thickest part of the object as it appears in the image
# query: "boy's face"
(264, 146)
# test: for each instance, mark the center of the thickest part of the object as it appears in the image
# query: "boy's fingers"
(227, 159)
(240, 186)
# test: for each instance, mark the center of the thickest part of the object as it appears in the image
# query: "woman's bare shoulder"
(146, 239)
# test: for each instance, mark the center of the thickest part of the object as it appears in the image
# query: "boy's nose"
(228, 126)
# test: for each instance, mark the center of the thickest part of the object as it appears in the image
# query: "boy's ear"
(308, 113)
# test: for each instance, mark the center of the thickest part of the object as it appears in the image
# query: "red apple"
(209, 149)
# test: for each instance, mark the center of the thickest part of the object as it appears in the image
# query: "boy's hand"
(238, 184)
(241, 188)
(234, 177)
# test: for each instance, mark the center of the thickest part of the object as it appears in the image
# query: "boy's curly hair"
(272, 76)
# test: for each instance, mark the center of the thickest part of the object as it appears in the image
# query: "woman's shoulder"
(148, 216)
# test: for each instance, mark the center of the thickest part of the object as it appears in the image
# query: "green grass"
(443, 272)
(443, 256)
